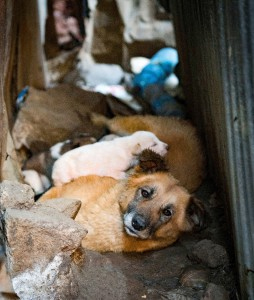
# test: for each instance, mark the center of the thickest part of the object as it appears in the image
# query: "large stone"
(40, 243)
(209, 253)
(15, 195)
(38, 235)
(195, 277)
(215, 292)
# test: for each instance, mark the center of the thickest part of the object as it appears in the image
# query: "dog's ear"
(150, 162)
(195, 215)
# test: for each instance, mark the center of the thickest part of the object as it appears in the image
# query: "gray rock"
(15, 195)
(53, 281)
(40, 242)
(209, 253)
(215, 292)
(196, 278)
(68, 207)
(37, 235)
(182, 293)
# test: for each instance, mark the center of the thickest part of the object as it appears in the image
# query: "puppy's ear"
(195, 215)
(150, 162)
(136, 149)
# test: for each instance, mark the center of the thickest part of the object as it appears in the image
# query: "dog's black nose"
(138, 223)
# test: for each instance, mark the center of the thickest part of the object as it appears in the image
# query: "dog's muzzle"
(135, 225)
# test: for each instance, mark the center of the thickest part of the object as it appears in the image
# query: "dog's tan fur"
(185, 158)
(108, 204)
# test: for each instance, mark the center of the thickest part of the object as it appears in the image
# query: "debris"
(50, 117)
(194, 277)
(215, 292)
(162, 103)
(15, 195)
(209, 253)
(95, 74)
(161, 65)
(120, 93)
(21, 97)
(138, 63)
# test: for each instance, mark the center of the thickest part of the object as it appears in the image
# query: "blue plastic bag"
(161, 65)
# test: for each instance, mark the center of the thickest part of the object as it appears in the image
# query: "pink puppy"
(106, 158)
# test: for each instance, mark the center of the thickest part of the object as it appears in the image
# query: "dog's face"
(147, 140)
(155, 207)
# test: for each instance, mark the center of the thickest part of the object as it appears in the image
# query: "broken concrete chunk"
(68, 207)
(37, 235)
(15, 195)
(209, 253)
(55, 281)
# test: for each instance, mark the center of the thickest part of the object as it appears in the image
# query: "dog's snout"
(167, 146)
(138, 223)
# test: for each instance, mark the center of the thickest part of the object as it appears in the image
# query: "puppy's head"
(154, 206)
(148, 140)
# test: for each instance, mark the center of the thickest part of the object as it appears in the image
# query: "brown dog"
(185, 158)
(146, 211)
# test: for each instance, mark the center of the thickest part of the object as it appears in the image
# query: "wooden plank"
(30, 51)
(216, 49)
(6, 8)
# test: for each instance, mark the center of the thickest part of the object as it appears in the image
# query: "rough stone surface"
(177, 294)
(215, 292)
(68, 207)
(15, 195)
(196, 278)
(37, 235)
(209, 253)
(130, 276)
(55, 281)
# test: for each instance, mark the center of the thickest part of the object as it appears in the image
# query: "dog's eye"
(145, 193)
(167, 212)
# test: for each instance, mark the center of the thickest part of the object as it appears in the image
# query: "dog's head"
(148, 140)
(154, 206)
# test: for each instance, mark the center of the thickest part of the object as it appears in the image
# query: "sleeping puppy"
(146, 211)
(43, 162)
(107, 158)
(185, 158)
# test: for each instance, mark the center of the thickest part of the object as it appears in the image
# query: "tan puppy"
(185, 158)
(146, 211)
